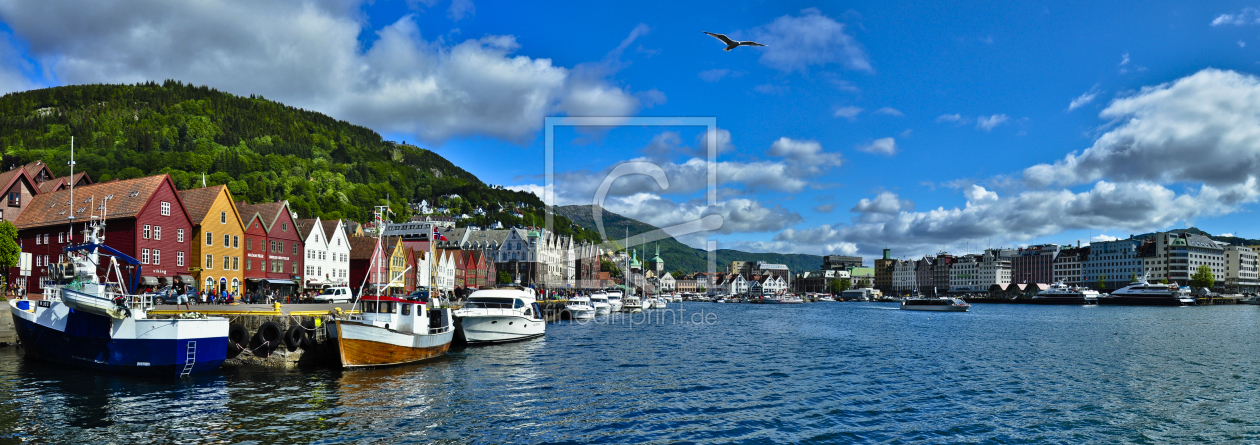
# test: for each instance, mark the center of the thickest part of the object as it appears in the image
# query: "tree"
(677, 274)
(1202, 277)
(9, 249)
(1163, 281)
(845, 284)
(837, 286)
(505, 277)
(1102, 281)
(610, 267)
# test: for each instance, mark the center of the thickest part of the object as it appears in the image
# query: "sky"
(863, 125)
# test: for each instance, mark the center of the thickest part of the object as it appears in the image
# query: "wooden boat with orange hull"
(394, 331)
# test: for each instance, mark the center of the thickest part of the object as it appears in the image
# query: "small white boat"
(632, 305)
(614, 300)
(600, 302)
(660, 303)
(580, 308)
(941, 304)
(720, 300)
(501, 315)
(826, 298)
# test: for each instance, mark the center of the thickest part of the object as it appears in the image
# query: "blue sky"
(918, 127)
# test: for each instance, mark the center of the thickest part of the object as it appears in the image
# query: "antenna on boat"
(71, 217)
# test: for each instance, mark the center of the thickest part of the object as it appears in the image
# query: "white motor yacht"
(1144, 293)
(501, 315)
(580, 308)
(632, 305)
(600, 302)
(614, 300)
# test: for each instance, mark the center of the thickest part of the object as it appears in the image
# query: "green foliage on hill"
(263, 150)
(679, 256)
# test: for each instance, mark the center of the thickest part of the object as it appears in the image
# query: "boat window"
(406, 309)
(369, 307)
(490, 302)
(519, 303)
(386, 307)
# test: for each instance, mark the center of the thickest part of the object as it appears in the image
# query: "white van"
(334, 295)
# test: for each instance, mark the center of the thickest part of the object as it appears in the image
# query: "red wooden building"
(274, 248)
(145, 218)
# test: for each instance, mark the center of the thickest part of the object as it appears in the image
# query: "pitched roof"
(7, 179)
(305, 226)
(330, 226)
(199, 201)
(268, 212)
(361, 247)
(126, 200)
(55, 184)
(34, 168)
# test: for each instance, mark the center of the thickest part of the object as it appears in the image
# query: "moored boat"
(599, 301)
(1060, 293)
(393, 331)
(942, 304)
(614, 301)
(85, 321)
(501, 315)
(580, 308)
(632, 305)
(1143, 293)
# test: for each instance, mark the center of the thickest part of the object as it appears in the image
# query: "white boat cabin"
(409, 314)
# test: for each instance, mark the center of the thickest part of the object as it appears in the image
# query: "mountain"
(262, 150)
(679, 256)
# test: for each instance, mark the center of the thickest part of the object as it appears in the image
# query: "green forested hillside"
(679, 256)
(263, 150)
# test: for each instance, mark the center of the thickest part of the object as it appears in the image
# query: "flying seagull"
(731, 44)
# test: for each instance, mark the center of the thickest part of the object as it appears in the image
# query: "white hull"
(633, 309)
(502, 328)
(614, 305)
(581, 312)
(603, 309)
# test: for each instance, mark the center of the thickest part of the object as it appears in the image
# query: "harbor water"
(716, 373)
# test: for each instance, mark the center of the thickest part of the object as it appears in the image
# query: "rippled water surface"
(813, 373)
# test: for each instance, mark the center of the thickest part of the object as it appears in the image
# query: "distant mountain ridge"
(679, 256)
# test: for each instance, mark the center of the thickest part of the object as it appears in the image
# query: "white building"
(667, 283)
(1067, 267)
(444, 275)
(976, 273)
(327, 253)
(904, 279)
(1116, 263)
(1241, 269)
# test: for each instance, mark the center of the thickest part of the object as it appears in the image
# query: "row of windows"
(147, 256)
(229, 262)
(232, 241)
(277, 266)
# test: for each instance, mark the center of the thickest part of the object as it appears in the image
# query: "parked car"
(340, 294)
(167, 295)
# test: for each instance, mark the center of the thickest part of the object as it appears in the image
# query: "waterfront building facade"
(277, 245)
(217, 252)
(941, 269)
(144, 219)
(1034, 264)
(841, 262)
(1112, 264)
(1241, 269)
(904, 277)
(884, 273)
(1067, 266)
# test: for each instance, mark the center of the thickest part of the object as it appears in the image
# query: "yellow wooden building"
(217, 238)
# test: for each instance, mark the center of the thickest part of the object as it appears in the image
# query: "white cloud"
(777, 90)
(1124, 59)
(309, 55)
(1248, 16)
(1200, 128)
(804, 156)
(796, 43)
(883, 146)
(461, 9)
(987, 123)
(1102, 237)
(890, 111)
(825, 208)
(713, 75)
(1082, 100)
(849, 112)
(954, 118)
(1242, 44)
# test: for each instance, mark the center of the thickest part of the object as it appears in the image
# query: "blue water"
(813, 373)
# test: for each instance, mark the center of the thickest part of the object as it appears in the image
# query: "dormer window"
(15, 199)
(134, 193)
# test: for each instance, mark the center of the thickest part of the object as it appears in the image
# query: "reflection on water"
(821, 373)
